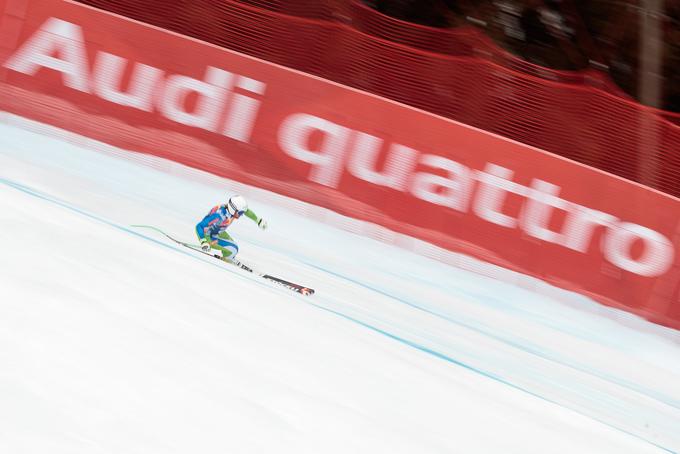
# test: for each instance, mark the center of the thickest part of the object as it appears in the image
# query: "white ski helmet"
(237, 204)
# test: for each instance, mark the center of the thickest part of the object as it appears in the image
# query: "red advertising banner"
(148, 90)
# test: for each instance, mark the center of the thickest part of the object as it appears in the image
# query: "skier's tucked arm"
(207, 233)
(205, 228)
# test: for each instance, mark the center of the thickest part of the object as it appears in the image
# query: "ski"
(276, 280)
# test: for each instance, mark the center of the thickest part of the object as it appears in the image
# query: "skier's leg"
(226, 245)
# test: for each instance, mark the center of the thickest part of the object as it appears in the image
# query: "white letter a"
(54, 37)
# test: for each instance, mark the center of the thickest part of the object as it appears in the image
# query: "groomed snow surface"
(115, 340)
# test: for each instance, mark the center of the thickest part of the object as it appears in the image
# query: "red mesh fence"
(460, 74)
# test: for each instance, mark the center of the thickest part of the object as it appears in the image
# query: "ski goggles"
(237, 213)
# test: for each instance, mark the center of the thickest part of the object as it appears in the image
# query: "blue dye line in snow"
(445, 357)
(527, 349)
(482, 373)
(422, 348)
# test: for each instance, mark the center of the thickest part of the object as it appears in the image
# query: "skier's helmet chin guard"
(237, 205)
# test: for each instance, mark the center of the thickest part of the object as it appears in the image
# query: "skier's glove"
(205, 245)
(262, 224)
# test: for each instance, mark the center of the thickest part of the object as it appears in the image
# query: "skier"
(212, 232)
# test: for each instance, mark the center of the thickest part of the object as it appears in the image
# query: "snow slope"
(113, 339)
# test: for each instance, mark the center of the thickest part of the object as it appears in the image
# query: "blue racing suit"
(213, 228)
